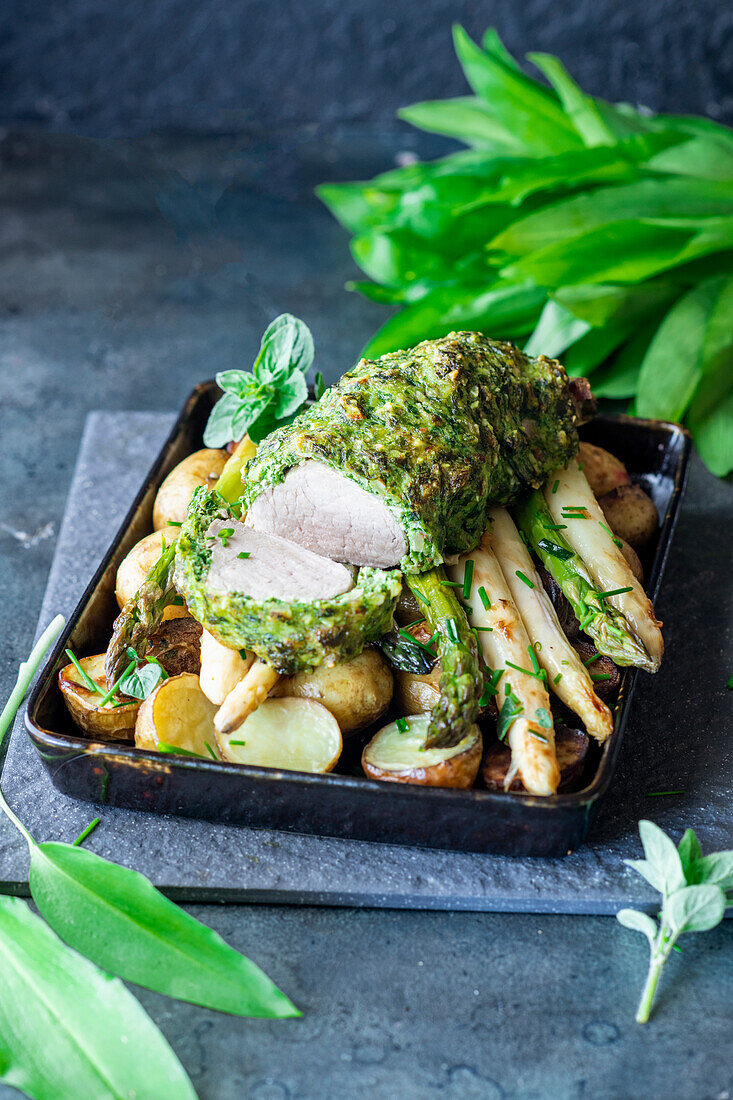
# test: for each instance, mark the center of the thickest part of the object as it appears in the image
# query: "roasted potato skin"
(174, 496)
(135, 567)
(107, 723)
(356, 692)
(602, 666)
(416, 694)
(458, 771)
(603, 471)
(177, 645)
(571, 746)
(631, 515)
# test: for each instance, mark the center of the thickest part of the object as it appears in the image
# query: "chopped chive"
(541, 675)
(402, 725)
(243, 554)
(555, 486)
(661, 794)
(431, 640)
(243, 654)
(533, 658)
(452, 584)
(558, 678)
(163, 546)
(116, 687)
(596, 677)
(614, 592)
(88, 682)
(590, 661)
(233, 742)
(452, 629)
(415, 641)
(177, 601)
(468, 579)
(555, 526)
(729, 683)
(484, 598)
(82, 836)
(174, 523)
(522, 577)
(581, 465)
(176, 750)
(416, 622)
(225, 533)
(556, 551)
(676, 947)
(210, 751)
(319, 386)
(484, 629)
(539, 736)
(608, 529)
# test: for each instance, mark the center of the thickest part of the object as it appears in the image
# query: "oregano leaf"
(648, 871)
(640, 922)
(689, 850)
(662, 854)
(715, 869)
(695, 909)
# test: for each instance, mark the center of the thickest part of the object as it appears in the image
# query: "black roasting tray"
(340, 804)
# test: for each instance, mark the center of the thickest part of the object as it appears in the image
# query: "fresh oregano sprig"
(256, 402)
(694, 899)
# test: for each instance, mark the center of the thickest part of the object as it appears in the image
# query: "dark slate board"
(676, 739)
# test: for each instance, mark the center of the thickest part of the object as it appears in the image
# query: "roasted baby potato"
(417, 694)
(571, 749)
(607, 687)
(177, 645)
(289, 734)
(178, 714)
(174, 496)
(356, 692)
(398, 756)
(603, 471)
(631, 515)
(110, 723)
(135, 567)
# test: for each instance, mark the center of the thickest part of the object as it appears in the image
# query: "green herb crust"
(292, 637)
(438, 431)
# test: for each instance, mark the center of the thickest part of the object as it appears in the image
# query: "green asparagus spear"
(142, 614)
(603, 623)
(460, 683)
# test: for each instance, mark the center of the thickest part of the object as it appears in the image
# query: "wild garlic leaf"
(67, 1029)
(556, 330)
(715, 869)
(661, 852)
(579, 108)
(117, 918)
(695, 909)
(690, 851)
(467, 119)
(640, 922)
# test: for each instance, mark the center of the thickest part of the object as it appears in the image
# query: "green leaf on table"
(661, 853)
(522, 106)
(689, 850)
(67, 1029)
(117, 918)
(695, 909)
(640, 922)
(715, 869)
(650, 871)
(694, 339)
(580, 108)
(556, 330)
(508, 312)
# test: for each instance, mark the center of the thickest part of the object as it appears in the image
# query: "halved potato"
(415, 694)
(399, 757)
(174, 496)
(603, 471)
(356, 692)
(135, 567)
(178, 714)
(571, 749)
(289, 734)
(631, 514)
(111, 723)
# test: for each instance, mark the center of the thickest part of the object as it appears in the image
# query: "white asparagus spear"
(532, 744)
(568, 678)
(591, 540)
(252, 690)
(221, 668)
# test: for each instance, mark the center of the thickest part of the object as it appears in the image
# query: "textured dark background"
(108, 68)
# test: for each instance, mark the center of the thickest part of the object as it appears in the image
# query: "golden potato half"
(356, 692)
(288, 734)
(397, 756)
(110, 723)
(135, 567)
(179, 715)
(174, 496)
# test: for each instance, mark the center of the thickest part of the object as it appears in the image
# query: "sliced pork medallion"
(319, 508)
(293, 608)
(266, 566)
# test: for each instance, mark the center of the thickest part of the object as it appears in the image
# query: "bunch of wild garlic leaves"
(592, 231)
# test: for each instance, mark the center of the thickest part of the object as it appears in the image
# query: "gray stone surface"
(668, 746)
